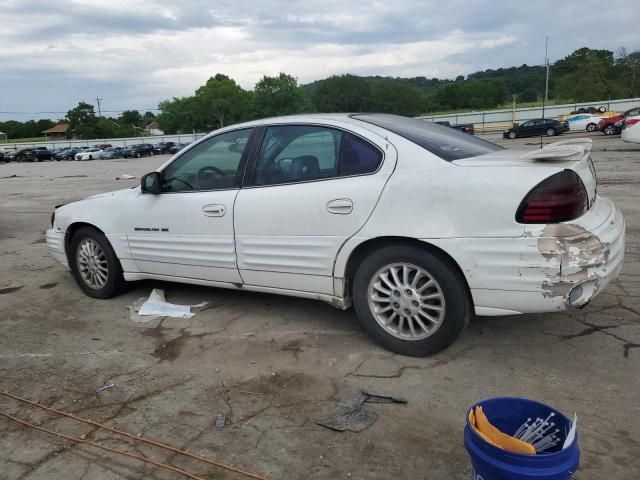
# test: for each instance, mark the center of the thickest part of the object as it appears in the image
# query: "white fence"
(495, 118)
(116, 142)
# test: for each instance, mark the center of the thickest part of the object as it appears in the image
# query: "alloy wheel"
(92, 263)
(406, 301)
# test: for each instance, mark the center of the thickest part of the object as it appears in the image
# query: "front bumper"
(56, 244)
(542, 270)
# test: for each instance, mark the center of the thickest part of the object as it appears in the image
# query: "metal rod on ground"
(135, 437)
(166, 466)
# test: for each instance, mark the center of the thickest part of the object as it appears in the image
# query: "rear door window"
(299, 153)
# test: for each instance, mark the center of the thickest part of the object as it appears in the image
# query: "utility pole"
(546, 84)
(98, 100)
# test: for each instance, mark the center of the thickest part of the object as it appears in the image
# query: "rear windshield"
(445, 142)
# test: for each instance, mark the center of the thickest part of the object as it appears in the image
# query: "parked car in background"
(89, 154)
(631, 129)
(463, 127)
(613, 125)
(103, 146)
(583, 122)
(139, 150)
(336, 207)
(24, 155)
(67, 154)
(8, 156)
(537, 127)
(163, 147)
(111, 152)
(177, 147)
(41, 154)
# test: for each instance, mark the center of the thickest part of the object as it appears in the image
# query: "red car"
(613, 125)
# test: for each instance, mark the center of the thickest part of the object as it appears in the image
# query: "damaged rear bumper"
(552, 267)
(56, 244)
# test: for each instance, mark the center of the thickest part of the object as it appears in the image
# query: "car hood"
(132, 192)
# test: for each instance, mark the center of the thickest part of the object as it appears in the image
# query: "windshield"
(445, 142)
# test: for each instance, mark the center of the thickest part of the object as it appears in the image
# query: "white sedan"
(416, 225)
(583, 122)
(89, 154)
(631, 129)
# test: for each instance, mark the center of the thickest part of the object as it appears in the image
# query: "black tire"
(550, 132)
(138, 155)
(609, 130)
(458, 305)
(115, 281)
(602, 109)
(592, 127)
(512, 135)
(90, 157)
(582, 110)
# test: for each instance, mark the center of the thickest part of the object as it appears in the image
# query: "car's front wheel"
(94, 264)
(550, 132)
(609, 130)
(411, 301)
(512, 135)
(592, 127)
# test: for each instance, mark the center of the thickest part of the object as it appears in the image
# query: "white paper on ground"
(572, 432)
(157, 306)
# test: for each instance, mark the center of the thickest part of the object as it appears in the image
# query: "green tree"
(582, 56)
(221, 101)
(279, 95)
(396, 97)
(83, 121)
(343, 93)
(178, 115)
(131, 117)
(148, 118)
(529, 94)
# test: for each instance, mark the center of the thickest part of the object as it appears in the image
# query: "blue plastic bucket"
(507, 414)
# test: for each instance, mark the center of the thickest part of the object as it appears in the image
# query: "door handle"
(213, 210)
(340, 206)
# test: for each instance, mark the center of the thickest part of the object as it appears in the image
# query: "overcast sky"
(135, 53)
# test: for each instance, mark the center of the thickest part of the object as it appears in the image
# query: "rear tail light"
(631, 121)
(559, 198)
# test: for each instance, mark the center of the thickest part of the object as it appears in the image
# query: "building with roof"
(61, 131)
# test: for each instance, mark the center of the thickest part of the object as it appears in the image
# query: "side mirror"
(150, 183)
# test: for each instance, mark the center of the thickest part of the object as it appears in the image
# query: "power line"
(65, 112)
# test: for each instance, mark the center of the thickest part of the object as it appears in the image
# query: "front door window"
(214, 164)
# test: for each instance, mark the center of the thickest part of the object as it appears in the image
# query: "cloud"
(135, 53)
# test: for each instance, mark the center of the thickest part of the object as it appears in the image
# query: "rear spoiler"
(563, 151)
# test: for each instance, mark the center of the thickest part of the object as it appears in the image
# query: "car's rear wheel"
(591, 127)
(138, 155)
(512, 135)
(151, 153)
(94, 264)
(550, 132)
(609, 130)
(410, 301)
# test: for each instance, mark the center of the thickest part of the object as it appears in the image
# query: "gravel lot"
(273, 365)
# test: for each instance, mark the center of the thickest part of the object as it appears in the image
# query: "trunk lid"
(573, 154)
